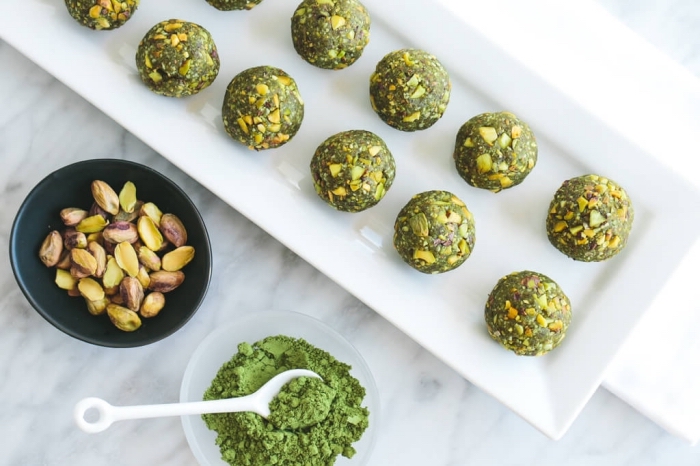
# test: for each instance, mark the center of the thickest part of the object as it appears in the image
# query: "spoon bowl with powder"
(258, 402)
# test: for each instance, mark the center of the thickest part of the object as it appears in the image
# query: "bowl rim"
(210, 338)
(67, 329)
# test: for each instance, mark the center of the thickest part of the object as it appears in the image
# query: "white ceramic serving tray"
(501, 55)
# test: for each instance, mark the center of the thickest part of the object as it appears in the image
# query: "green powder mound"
(311, 422)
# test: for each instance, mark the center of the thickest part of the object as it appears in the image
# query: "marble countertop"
(431, 415)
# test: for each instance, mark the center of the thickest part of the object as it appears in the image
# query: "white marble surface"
(430, 414)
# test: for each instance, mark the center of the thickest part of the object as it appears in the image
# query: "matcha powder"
(312, 421)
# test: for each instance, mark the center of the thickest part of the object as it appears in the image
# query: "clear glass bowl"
(220, 345)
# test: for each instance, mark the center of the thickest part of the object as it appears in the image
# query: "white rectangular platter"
(492, 68)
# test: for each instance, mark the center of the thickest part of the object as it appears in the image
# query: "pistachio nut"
(122, 318)
(74, 239)
(116, 298)
(77, 273)
(100, 255)
(83, 261)
(173, 229)
(65, 280)
(127, 197)
(125, 256)
(74, 293)
(92, 224)
(151, 210)
(149, 259)
(131, 292)
(143, 277)
(124, 216)
(64, 262)
(113, 275)
(105, 197)
(95, 209)
(165, 281)
(98, 307)
(119, 232)
(51, 248)
(149, 233)
(71, 216)
(177, 258)
(90, 289)
(152, 304)
(96, 237)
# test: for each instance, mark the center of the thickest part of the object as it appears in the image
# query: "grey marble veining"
(431, 416)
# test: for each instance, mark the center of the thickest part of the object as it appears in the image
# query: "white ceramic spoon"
(258, 402)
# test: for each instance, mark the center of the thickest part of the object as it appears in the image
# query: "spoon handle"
(107, 413)
(257, 402)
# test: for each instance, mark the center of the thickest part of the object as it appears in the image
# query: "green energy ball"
(434, 232)
(527, 313)
(590, 218)
(228, 5)
(495, 151)
(352, 170)
(102, 14)
(330, 34)
(409, 89)
(262, 108)
(177, 58)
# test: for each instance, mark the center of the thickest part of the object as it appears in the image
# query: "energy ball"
(590, 218)
(434, 232)
(177, 58)
(495, 151)
(409, 89)
(102, 14)
(527, 313)
(229, 5)
(352, 170)
(262, 108)
(330, 34)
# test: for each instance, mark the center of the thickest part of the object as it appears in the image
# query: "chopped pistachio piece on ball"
(434, 232)
(527, 313)
(590, 218)
(352, 170)
(177, 58)
(330, 34)
(262, 108)
(495, 151)
(102, 14)
(409, 89)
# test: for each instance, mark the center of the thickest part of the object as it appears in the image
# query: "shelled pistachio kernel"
(409, 89)
(330, 35)
(262, 108)
(590, 218)
(434, 232)
(352, 170)
(177, 58)
(527, 313)
(495, 151)
(230, 5)
(102, 14)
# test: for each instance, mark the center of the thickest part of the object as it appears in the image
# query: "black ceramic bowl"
(70, 187)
